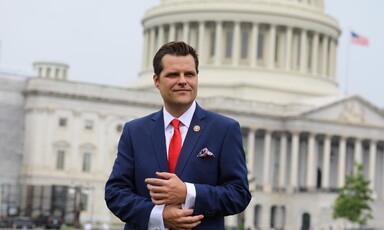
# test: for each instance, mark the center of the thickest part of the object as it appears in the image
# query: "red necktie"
(174, 146)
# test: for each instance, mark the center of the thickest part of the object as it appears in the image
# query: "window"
(244, 44)
(83, 201)
(260, 46)
(48, 72)
(87, 162)
(212, 42)
(228, 44)
(40, 72)
(179, 33)
(119, 128)
(60, 160)
(310, 51)
(62, 122)
(88, 125)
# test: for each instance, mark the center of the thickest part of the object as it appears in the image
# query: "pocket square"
(205, 153)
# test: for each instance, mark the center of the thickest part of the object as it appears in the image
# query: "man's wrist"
(190, 196)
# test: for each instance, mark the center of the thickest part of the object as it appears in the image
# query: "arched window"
(257, 219)
(273, 216)
(305, 221)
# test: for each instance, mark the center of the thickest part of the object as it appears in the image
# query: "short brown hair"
(176, 48)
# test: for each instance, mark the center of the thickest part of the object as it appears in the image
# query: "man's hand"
(168, 189)
(176, 218)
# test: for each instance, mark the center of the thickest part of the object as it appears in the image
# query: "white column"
(51, 125)
(201, 42)
(282, 160)
(236, 44)
(326, 162)
(31, 123)
(342, 153)
(311, 162)
(267, 162)
(265, 217)
(324, 62)
(253, 44)
(144, 62)
(172, 32)
(330, 58)
(315, 53)
(372, 163)
(279, 218)
(218, 40)
(358, 152)
(294, 161)
(288, 48)
(334, 58)
(160, 37)
(272, 47)
(193, 37)
(75, 155)
(151, 49)
(381, 177)
(251, 155)
(186, 32)
(102, 149)
(303, 51)
(250, 216)
(231, 221)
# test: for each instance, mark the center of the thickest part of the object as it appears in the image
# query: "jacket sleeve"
(231, 194)
(121, 192)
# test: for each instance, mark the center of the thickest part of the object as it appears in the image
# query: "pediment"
(87, 146)
(352, 110)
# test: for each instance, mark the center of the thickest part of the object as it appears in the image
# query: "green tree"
(353, 201)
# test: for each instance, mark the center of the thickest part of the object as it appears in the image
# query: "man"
(154, 184)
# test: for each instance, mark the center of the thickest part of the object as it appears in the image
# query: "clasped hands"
(170, 191)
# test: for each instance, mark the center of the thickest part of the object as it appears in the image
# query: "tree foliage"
(353, 201)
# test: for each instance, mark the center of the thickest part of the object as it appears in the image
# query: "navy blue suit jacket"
(221, 181)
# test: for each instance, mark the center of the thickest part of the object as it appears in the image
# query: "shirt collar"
(185, 118)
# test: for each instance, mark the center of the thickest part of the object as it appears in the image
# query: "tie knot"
(175, 123)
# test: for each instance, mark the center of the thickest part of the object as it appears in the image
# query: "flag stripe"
(359, 39)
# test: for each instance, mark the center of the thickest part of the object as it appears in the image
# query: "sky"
(101, 40)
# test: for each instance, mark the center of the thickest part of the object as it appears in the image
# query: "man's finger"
(155, 188)
(165, 175)
(154, 181)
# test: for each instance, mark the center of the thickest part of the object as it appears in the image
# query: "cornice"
(91, 93)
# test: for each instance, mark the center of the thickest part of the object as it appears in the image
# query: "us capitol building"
(270, 64)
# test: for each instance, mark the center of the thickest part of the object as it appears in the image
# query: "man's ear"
(156, 80)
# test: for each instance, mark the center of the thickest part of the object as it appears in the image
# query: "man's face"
(177, 83)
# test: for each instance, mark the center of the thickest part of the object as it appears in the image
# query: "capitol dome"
(277, 51)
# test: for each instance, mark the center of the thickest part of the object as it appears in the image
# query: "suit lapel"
(158, 140)
(191, 139)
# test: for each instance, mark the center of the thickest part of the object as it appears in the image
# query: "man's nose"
(182, 79)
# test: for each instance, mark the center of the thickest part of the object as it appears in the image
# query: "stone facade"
(268, 64)
(11, 139)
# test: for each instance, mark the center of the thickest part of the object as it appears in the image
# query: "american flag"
(359, 39)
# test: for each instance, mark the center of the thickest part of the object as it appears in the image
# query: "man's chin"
(183, 103)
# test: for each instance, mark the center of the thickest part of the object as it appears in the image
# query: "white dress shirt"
(156, 217)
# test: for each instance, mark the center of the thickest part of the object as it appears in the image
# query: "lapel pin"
(196, 128)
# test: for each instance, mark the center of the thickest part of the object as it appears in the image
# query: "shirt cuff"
(156, 218)
(190, 197)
